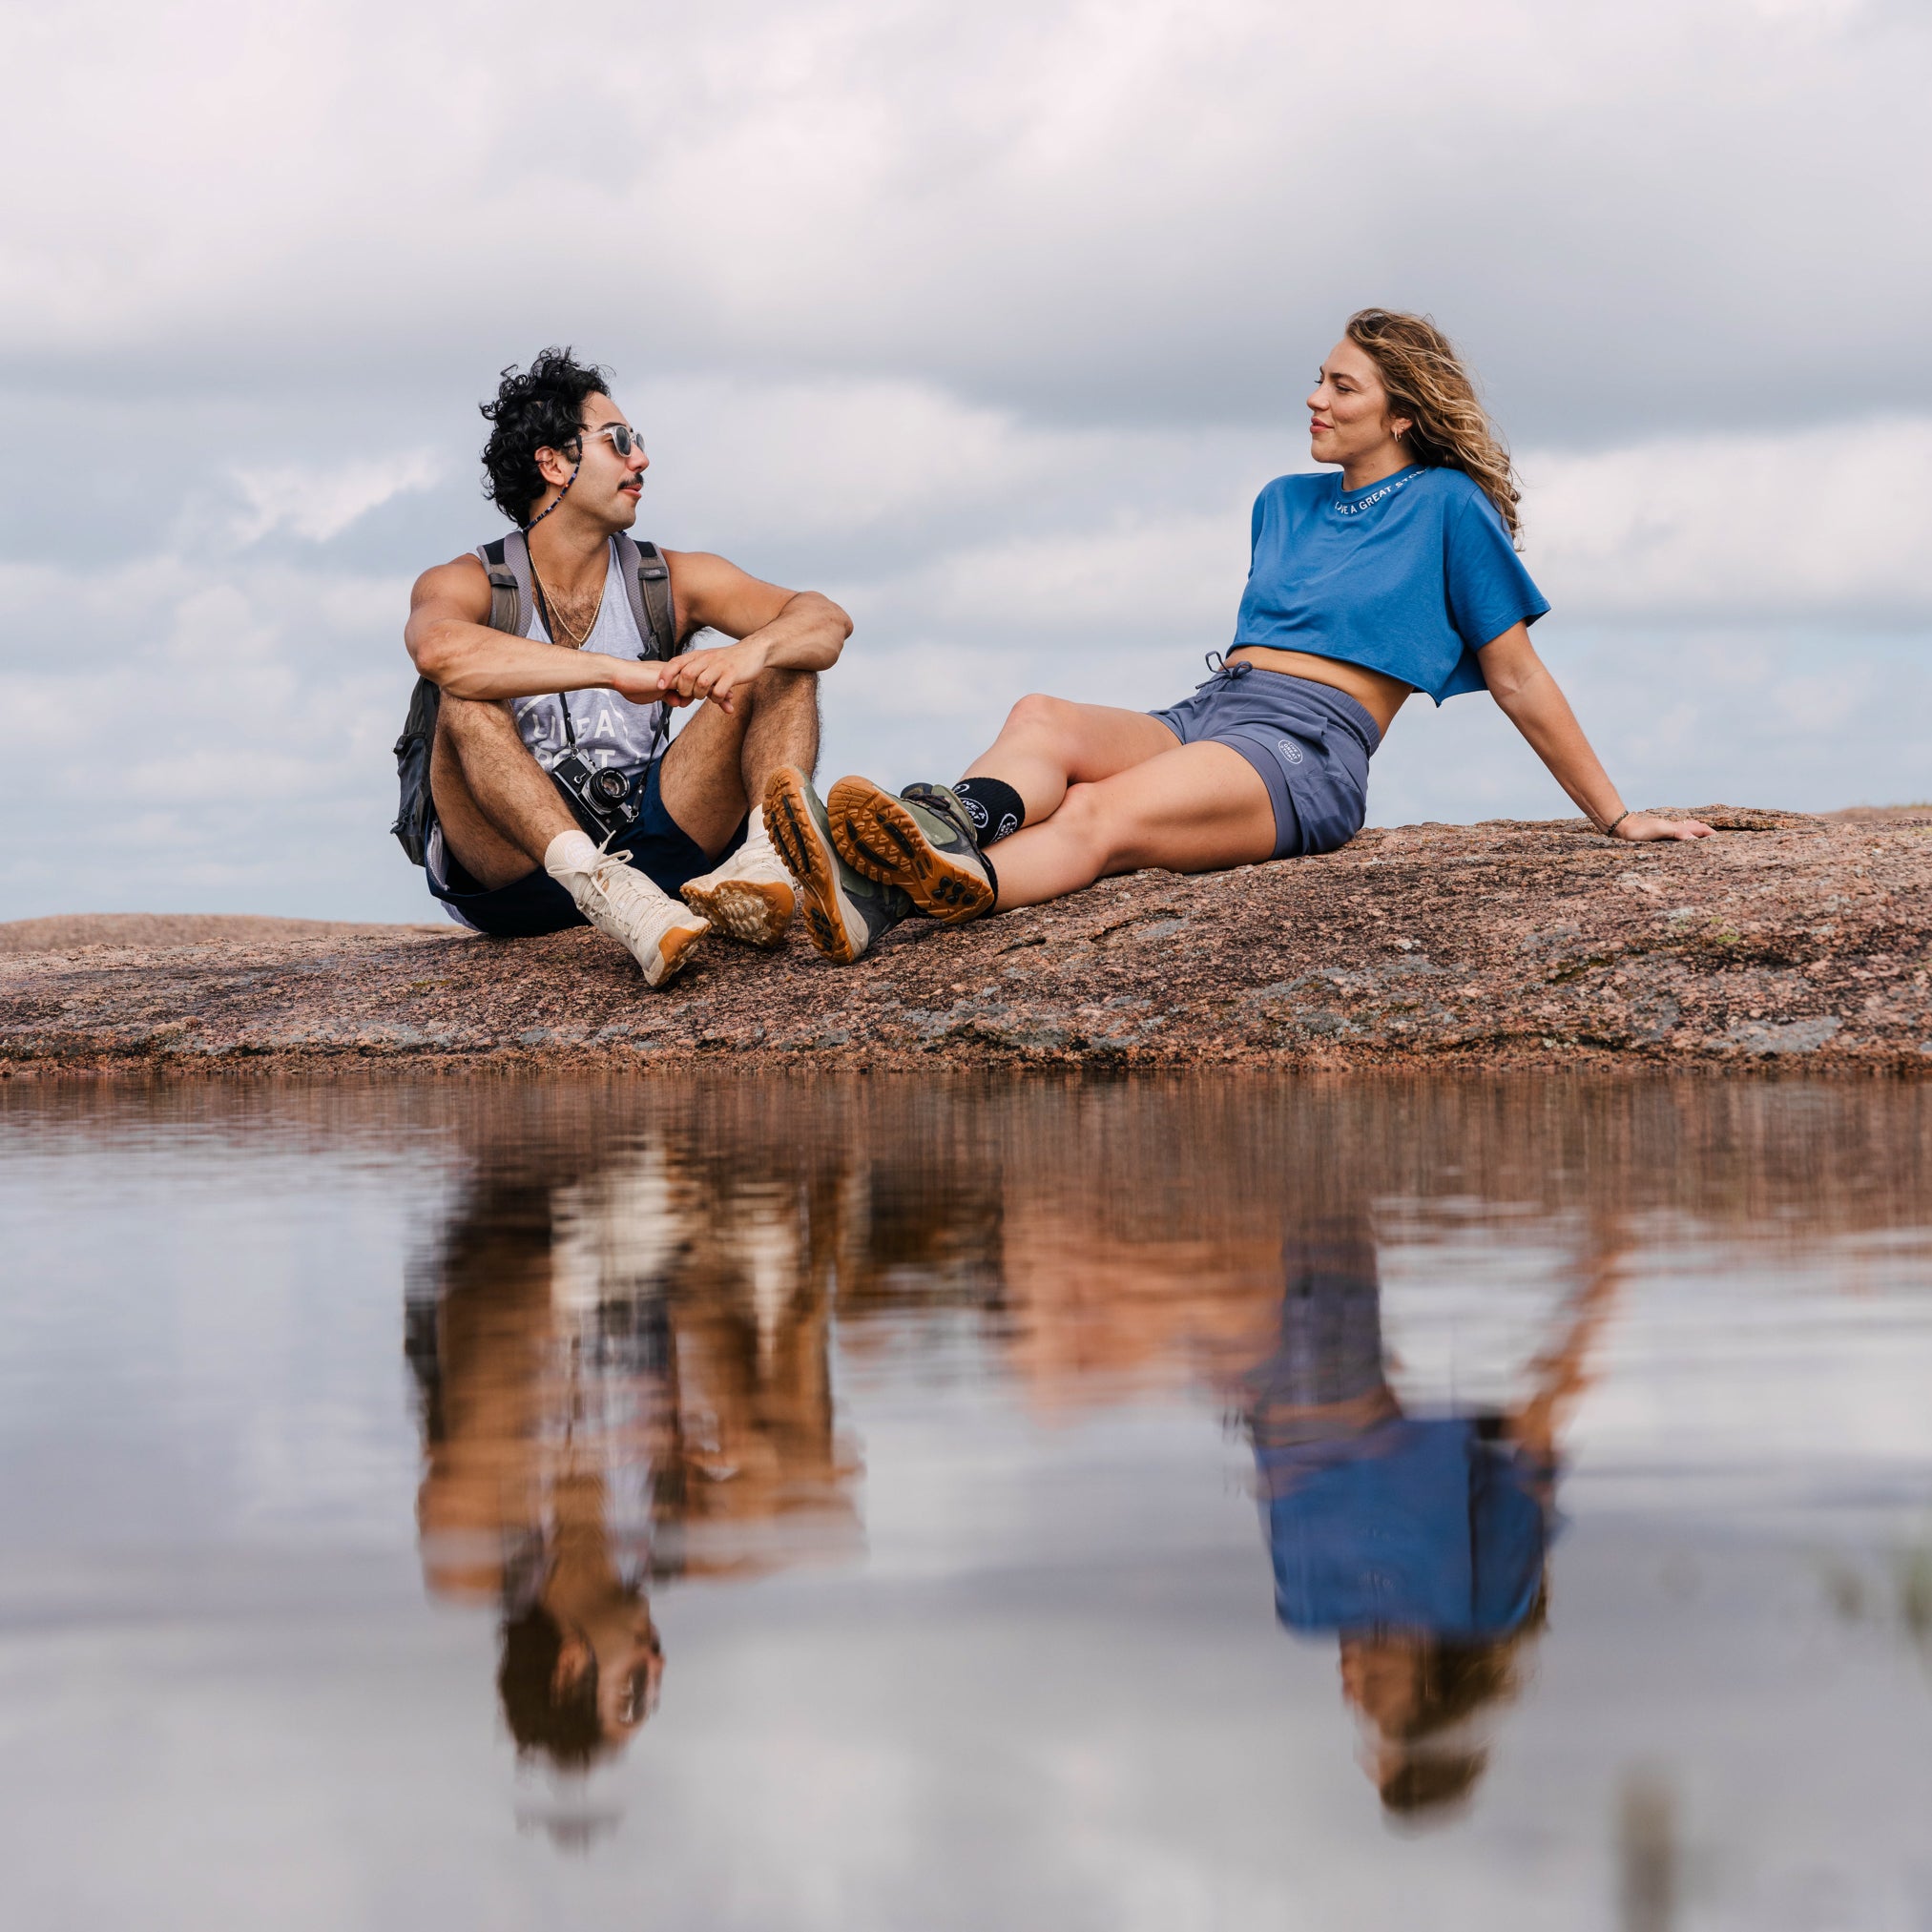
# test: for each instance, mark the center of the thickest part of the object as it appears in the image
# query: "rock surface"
(152, 931)
(1784, 942)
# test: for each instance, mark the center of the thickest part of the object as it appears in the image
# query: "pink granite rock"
(1784, 943)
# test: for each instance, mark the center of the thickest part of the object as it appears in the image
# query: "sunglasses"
(623, 439)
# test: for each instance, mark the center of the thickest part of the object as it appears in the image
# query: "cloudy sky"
(988, 322)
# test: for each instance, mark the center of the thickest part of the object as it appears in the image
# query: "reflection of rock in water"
(624, 1376)
(1647, 1856)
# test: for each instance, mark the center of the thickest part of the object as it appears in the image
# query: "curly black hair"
(565, 1728)
(537, 408)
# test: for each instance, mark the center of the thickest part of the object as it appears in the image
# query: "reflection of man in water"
(581, 1660)
(1420, 1540)
(624, 1379)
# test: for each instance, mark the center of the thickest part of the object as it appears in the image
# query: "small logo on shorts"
(1289, 750)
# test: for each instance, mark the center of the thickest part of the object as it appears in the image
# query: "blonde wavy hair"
(1427, 382)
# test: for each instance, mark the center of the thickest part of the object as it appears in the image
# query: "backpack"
(647, 583)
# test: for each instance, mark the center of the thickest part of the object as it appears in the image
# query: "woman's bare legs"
(1048, 743)
(1194, 808)
(1113, 791)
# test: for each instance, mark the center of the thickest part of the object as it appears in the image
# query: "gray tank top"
(610, 730)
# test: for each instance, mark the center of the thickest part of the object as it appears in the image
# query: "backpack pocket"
(416, 809)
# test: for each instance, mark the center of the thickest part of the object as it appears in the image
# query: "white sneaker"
(750, 896)
(622, 904)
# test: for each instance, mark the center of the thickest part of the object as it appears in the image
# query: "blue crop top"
(1410, 576)
(1415, 1524)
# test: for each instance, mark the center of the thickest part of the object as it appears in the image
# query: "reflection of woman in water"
(1419, 1540)
(624, 1379)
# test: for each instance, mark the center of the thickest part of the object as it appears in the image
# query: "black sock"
(997, 811)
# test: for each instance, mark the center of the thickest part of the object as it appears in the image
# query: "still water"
(784, 1505)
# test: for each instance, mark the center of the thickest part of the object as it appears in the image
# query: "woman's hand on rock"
(1642, 828)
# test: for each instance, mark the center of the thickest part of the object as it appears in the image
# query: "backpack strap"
(505, 559)
(647, 584)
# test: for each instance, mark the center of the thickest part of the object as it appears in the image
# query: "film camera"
(607, 802)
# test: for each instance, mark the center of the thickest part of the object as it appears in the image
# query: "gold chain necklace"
(554, 619)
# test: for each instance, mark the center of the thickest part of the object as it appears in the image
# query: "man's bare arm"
(787, 629)
(449, 638)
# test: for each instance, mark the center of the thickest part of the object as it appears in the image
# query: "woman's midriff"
(1381, 696)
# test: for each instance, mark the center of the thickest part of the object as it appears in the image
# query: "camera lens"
(609, 788)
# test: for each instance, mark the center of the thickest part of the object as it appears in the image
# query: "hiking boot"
(750, 896)
(623, 904)
(844, 910)
(921, 841)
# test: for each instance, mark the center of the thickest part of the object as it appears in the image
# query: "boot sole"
(876, 835)
(812, 861)
(758, 915)
(659, 965)
(674, 954)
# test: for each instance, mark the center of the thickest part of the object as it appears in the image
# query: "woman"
(1399, 575)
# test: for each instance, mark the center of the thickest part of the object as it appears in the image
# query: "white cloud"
(1827, 523)
(1660, 211)
(1141, 575)
(199, 744)
(888, 459)
(321, 503)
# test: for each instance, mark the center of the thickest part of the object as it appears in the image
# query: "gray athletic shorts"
(1310, 742)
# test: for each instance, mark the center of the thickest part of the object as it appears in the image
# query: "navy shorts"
(659, 847)
(1310, 743)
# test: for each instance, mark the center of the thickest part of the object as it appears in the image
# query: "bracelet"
(1609, 830)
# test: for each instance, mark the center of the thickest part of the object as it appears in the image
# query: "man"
(507, 853)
